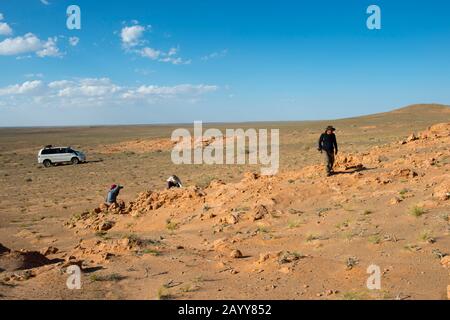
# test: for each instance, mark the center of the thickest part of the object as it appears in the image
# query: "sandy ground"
(231, 234)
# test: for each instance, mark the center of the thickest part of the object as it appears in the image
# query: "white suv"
(53, 155)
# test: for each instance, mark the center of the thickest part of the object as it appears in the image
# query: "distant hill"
(424, 108)
(416, 114)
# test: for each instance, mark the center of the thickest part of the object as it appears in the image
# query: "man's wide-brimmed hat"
(330, 128)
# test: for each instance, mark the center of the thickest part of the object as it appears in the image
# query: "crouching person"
(113, 193)
(174, 182)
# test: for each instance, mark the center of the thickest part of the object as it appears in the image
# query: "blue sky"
(179, 61)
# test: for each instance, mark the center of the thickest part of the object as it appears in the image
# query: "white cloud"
(89, 92)
(87, 88)
(131, 36)
(132, 41)
(29, 43)
(166, 91)
(5, 29)
(73, 41)
(34, 75)
(49, 49)
(20, 45)
(20, 89)
(161, 56)
(215, 55)
(172, 51)
(175, 60)
(45, 2)
(150, 53)
(60, 84)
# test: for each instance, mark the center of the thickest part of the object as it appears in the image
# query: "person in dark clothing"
(174, 182)
(329, 148)
(113, 193)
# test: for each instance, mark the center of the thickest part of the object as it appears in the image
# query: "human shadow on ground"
(352, 170)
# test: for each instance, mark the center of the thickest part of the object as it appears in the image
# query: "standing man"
(328, 143)
(113, 193)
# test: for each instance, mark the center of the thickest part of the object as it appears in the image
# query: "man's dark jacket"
(328, 142)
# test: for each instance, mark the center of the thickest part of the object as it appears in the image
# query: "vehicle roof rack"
(48, 146)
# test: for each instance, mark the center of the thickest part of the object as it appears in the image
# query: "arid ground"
(230, 233)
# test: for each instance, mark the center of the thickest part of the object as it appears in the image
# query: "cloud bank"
(91, 92)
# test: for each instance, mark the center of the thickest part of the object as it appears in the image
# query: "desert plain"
(230, 233)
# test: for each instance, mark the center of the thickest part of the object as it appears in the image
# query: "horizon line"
(172, 124)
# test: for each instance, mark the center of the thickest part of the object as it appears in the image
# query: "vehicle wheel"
(47, 163)
(75, 160)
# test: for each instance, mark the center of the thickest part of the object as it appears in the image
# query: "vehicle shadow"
(79, 164)
(92, 161)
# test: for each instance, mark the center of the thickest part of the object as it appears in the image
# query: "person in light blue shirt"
(113, 193)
